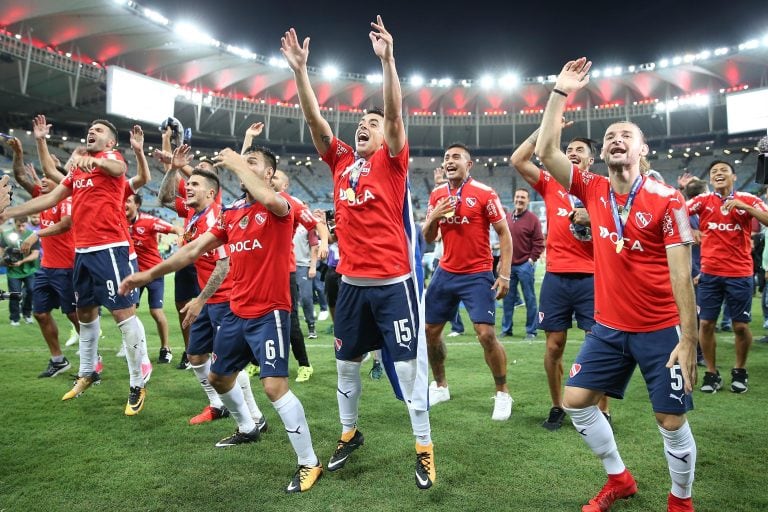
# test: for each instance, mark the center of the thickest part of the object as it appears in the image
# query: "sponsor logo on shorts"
(575, 369)
(337, 344)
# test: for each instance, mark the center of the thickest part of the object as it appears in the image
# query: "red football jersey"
(726, 247)
(371, 227)
(632, 288)
(466, 244)
(565, 252)
(59, 250)
(196, 225)
(301, 215)
(98, 208)
(144, 230)
(258, 242)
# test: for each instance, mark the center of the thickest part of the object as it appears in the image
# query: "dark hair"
(138, 200)
(375, 110)
(522, 189)
(587, 142)
(716, 162)
(694, 187)
(460, 145)
(267, 153)
(211, 178)
(108, 125)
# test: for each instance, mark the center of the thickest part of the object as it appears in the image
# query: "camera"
(330, 221)
(12, 255)
(179, 135)
(10, 295)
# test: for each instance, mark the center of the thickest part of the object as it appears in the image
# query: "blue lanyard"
(458, 192)
(724, 200)
(620, 218)
(195, 217)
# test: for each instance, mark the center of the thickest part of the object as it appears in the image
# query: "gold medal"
(624, 216)
(724, 210)
(449, 214)
(350, 195)
(619, 246)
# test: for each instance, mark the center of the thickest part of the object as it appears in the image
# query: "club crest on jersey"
(643, 219)
(53, 209)
(140, 230)
(260, 218)
(243, 222)
(575, 369)
(471, 202)
(337, 344)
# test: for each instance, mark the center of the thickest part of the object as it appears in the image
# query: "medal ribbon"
(617, 218)
(725, 200)
(458, 193)
(190, 230)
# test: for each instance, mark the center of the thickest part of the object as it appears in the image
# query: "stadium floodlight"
(688, 58)
(596, 73)
(375, 78)
(331, 72)
(445, 82)
(719, 52)
(416, 80)
(487, 82)
(631, 68)
(608, 72)
(192, 33)
(509, 81)
(677, 60)
(240, 52)
(749, 45)
(663, 63)
(155, 16)
(703, 55)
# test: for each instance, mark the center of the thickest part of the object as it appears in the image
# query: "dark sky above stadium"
(466, 39)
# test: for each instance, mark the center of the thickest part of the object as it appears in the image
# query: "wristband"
(561, 93)
(506, 278)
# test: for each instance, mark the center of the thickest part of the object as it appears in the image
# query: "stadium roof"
(44, 42)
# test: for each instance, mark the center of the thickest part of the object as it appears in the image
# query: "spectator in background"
(305, 250)
(692, 188)
(527, 246)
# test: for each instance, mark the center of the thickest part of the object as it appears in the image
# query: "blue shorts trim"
(155, 291)
(97, 275)
(243, 340)
(52, 290)
(735, 291)
(202, 332)
(447, 289)
(608, 358)
(185, 287)
(564, 295)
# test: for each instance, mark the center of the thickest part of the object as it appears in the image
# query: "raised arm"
(251, 133)
(297, 55)
(89, 163)
(255, 186)
(19, 170)
(143, 176)
(684, 354)
(40, 130)
(383, 47)
(573, 77)
(521, 159)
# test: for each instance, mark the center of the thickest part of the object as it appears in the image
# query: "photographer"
(21, 269)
